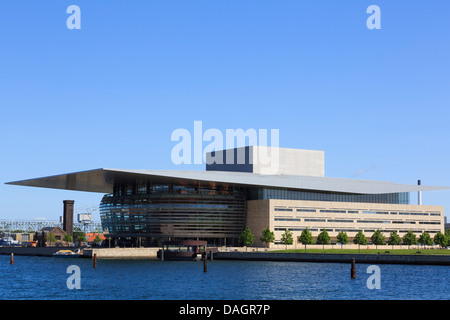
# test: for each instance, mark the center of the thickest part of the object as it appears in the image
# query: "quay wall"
(151, 253)
(121, 253)
(418, 259)
(112, 253)
(30, 251)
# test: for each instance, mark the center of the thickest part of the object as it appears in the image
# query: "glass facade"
(285, 194)
(173, 211)
(141, 209)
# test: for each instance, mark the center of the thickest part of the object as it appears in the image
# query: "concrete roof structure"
(102, 180)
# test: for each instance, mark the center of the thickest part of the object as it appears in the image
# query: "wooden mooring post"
(353, 269)
(12, 259)
(205, 258)
(95, 260)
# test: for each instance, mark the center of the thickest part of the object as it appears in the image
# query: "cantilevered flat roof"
(102, 181)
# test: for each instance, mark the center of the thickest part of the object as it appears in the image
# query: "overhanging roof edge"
(99, 180)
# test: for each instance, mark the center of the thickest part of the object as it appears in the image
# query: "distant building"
(24, 236)
(42, 234)
(90, 237)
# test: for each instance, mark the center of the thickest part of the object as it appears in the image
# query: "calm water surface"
(46, 278)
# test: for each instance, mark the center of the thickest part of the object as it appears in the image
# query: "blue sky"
(110, 94)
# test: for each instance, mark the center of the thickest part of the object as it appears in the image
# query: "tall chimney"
(419, 194)
(68, 217)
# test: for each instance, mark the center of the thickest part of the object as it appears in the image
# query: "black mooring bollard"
(353, 269)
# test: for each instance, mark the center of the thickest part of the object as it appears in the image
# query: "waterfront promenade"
(382, 258)
(379, 257)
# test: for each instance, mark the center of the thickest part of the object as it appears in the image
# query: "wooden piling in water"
(205, 258)
(353, 269)
(95, 260)
(12, 259)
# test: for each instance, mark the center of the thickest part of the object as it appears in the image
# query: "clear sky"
(111, 93)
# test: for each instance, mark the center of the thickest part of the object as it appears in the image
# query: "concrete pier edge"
(150, 253)
(419, 259)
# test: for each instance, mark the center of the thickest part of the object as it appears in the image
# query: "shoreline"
(419, 259)
(150, 253)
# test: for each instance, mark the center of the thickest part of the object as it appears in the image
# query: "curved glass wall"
(163, 211)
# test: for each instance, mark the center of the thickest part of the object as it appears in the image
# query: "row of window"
(357, 211)
(146, 187)
(349, 230)
(352, 221)
(285, 194)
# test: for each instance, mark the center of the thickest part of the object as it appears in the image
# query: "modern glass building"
(145, 207)
(170, 210)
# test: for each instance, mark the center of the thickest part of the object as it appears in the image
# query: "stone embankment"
(121, 253)
(418, 259)
(151, 253)
(30, 251)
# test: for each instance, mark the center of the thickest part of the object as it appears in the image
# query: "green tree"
(440, 239)
(342, 238)
(446, 240)
(425, 239)
(409, 238)
(394, 239)
(267, 236)
(377, 238)
(68, 238)
(246, 238)
(97, 239)
(287, 238)
(306, 237)
(360, 239)
(79, 236)
(50, 237)
(323, 238)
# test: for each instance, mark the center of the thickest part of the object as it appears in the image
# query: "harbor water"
(47, 278)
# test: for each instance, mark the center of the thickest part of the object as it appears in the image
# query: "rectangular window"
(373, 221)
(286, 219)
(340, 220)
(403, 222)
(376, 212)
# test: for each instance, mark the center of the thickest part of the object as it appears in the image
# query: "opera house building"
(147, 206)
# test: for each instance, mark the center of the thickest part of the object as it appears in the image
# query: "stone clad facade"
(295, 215)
